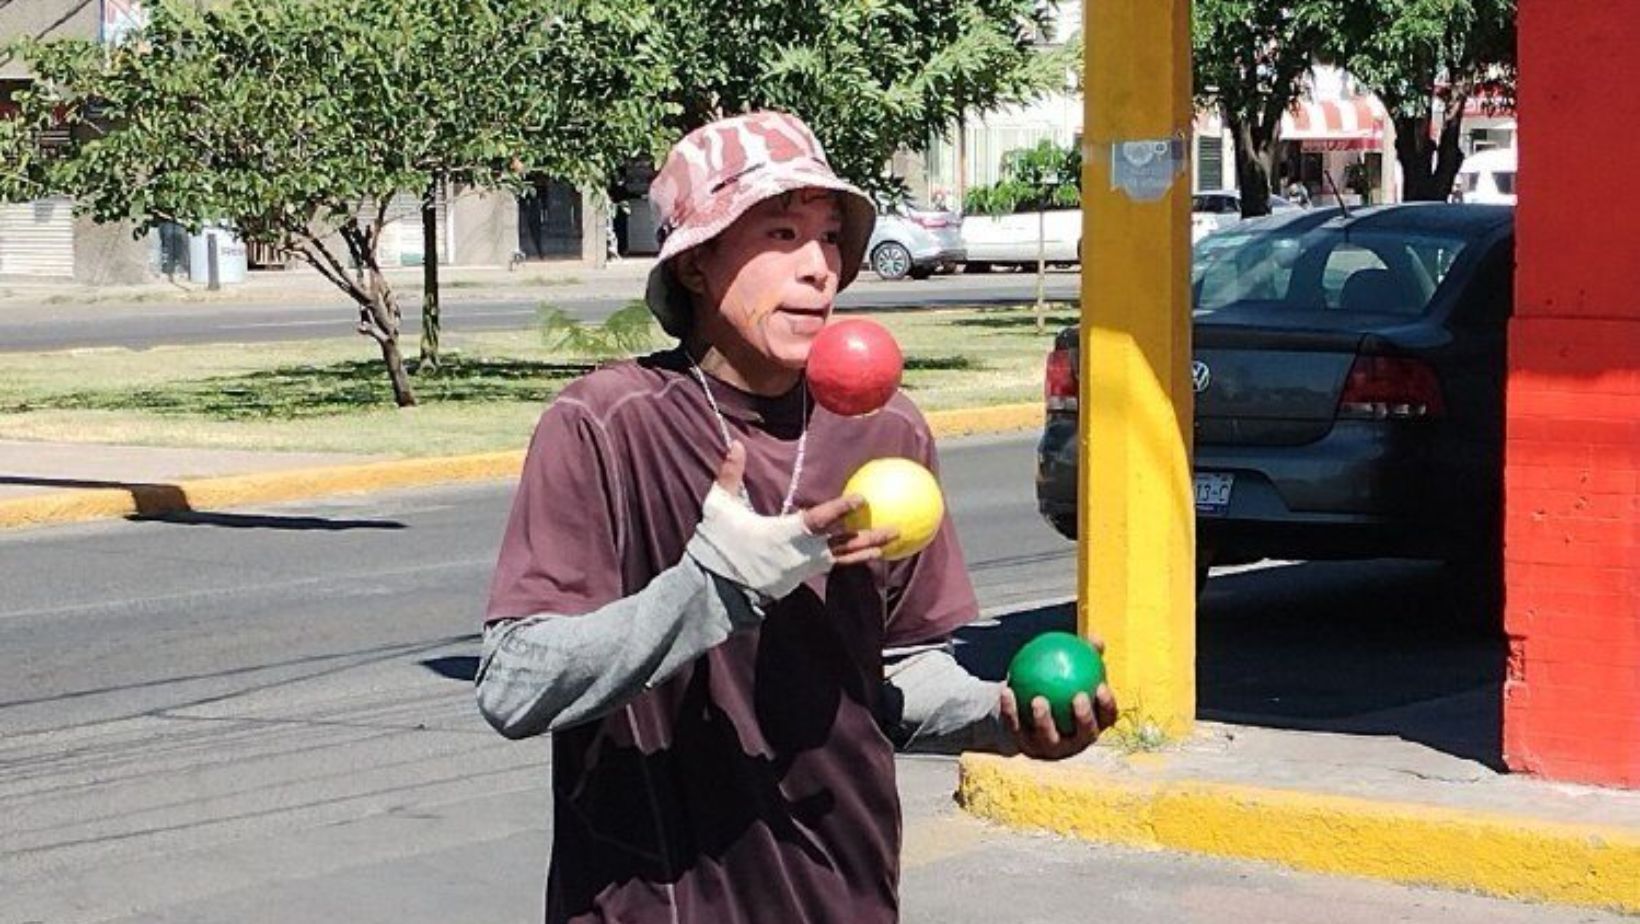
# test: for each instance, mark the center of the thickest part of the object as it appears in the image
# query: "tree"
(1252, 58)
(296, 122)
(869, 77)
(1420, 55)
(507, 89)
(20, 160)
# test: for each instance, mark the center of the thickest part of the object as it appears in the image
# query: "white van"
(1011, 240)
(1488, 178)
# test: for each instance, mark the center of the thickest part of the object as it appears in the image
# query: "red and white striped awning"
(1323, 125)
(1336, 124)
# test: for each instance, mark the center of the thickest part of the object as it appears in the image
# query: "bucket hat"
(720, 171)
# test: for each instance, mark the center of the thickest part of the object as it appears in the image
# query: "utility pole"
(1137, 503)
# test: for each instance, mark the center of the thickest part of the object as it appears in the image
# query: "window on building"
(1209, 162)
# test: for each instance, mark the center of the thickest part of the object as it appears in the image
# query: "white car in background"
(1215, 209)
(1011, 240)
(1488, 178)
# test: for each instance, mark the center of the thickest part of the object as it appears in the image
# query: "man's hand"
(825, 519)
(1038, 737)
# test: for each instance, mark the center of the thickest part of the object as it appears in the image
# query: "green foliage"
(282, 116)
(629, 331)
(1037, 178)
(954, 363)
(1415, 53)
(1251, 58)
(502, 89)
(869, 76)
(253, 113)
(21, 161)
(297, 122)
(1410, 52)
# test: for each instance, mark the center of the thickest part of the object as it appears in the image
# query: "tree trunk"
(1041, 267)
(1428, 167)
(1449, 156)
(379, 320)
(403, 396)
(378, 312)
(1413, 152)
(1255, 164)
(429, 276)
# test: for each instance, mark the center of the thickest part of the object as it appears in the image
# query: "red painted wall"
(1572, 539)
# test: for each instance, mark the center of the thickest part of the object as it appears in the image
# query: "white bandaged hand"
(769, 556)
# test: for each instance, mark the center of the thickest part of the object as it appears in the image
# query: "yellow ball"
(900, 494)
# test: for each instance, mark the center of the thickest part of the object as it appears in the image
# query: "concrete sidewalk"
(32, 469)
(1375, 807)
(43, 484)
(1387, 793)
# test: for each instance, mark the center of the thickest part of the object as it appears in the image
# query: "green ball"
(1055, 666)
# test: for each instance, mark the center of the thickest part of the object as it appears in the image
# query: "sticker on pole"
(1146, 170)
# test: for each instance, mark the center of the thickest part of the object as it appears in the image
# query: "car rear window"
(1369, 272)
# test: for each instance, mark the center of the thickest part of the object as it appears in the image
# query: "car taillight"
(931, 221)
(1391, 388)
(1059, 386)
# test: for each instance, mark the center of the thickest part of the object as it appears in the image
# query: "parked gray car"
(1348, 376)
(914, 240)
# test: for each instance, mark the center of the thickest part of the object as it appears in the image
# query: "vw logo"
(1200, 376)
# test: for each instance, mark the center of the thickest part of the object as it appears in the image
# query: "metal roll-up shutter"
(1209, 163)
(37, 238)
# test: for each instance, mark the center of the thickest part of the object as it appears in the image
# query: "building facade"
(44, 239)
(1334, 134)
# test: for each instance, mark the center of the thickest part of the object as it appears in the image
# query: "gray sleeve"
(934, 704)
(545, 673)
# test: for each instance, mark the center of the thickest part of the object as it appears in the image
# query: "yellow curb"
(973, 421)
(259, 488)
(296, 484)
(1487, 852)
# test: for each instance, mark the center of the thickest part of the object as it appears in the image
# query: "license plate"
(1213, 492)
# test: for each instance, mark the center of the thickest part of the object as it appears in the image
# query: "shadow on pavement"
(168, 503)
(453, 667)
(1365, 648)
(923, 300)
(1016, 319)
(263, 521)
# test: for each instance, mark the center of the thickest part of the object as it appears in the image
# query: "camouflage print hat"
(718, 172)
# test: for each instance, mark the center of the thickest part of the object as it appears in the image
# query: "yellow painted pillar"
(1137, 507)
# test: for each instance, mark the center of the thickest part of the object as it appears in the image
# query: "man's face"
(772, 277)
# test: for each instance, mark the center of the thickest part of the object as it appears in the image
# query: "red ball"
(854, 367)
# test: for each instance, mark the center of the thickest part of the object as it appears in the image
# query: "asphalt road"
(148, 324)
(265, 717)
